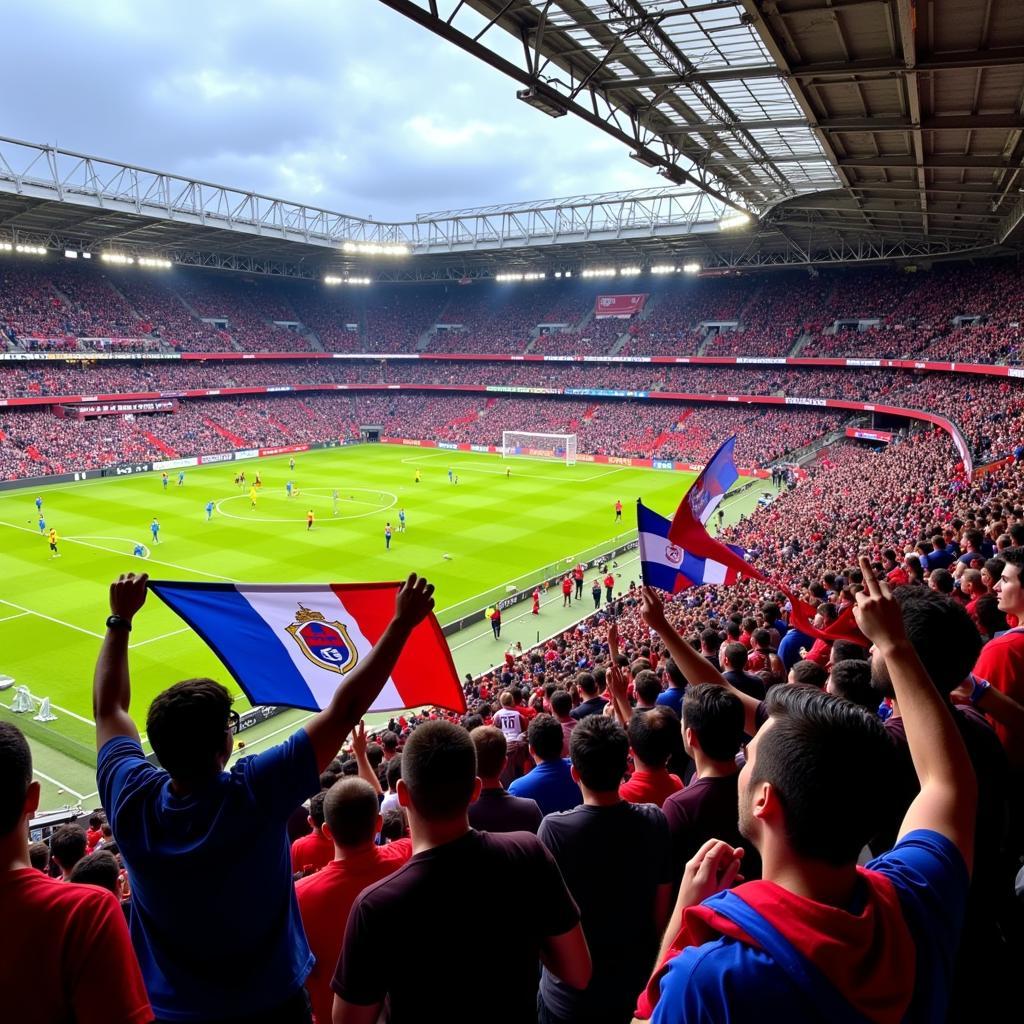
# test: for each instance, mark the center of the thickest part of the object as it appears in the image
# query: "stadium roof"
(847, 130)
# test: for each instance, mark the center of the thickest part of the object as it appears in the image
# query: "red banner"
(618, 305)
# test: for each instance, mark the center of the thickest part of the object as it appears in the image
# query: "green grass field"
(496, 529)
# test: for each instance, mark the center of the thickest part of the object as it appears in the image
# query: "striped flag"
(293, 644)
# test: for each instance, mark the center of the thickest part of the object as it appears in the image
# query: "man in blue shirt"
(672, 696)
(206, 849)
(209, 510)
(819, 938)
(550, 782)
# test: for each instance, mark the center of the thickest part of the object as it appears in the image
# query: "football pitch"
(471, 538)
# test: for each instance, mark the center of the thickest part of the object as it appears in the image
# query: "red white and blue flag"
(293, 644)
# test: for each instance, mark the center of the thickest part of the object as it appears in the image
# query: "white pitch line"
(57, 783)
(18, 615)
(153, 639)
(50, 618)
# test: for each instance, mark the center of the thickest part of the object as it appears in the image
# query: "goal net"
(543, 446)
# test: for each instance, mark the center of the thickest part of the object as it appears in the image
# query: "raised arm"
(366, 772)
(694, 666)
(949, 790)
(617, 685)
(328, 730)
(111, 685)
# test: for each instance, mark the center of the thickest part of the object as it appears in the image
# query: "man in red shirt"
(1001, 661)
(312, 852)
(566, 591)
(609, 585)
(577, 575)
(65, 953)
(653, 737)
(351, 818)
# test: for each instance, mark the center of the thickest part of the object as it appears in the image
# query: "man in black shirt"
(410, 930)
(494, 810)
(734, 669)
(708, 807)
(592, 703)
(622, 926)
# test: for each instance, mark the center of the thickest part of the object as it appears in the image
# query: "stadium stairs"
(805, 336)
(238, 442)
(709, 334)
(278, 425)
(159, 445)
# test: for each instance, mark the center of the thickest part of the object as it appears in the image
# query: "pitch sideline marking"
(50, 618)
(16, 615)
(56, 782)
(162, 636)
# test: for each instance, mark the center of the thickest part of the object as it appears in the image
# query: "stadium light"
(541, 101)
(70, 254)
(375, 249)
(599, 272)
(629, 271)
(31, 250)
(664, 268)
(150, 261)
(642, 158)
(6, 247)
(692, 268)
(116, 257)
(333, 279)
(532, 276)
(734, 222)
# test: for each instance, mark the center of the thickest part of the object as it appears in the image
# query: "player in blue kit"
(209, 510)
(154, 528)
(288, 488)
(401, 520)
(42, 523)
(163, 480)
(39, 505)
(181, 477)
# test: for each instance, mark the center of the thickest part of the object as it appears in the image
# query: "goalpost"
(552, 446)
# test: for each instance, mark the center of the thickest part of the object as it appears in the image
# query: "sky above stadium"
(336, 103)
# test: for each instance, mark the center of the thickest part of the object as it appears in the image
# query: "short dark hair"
(943, 634)
(491, 751)
(989, 617)
(1014, 557)
(809, 673)
(546, 737)
(389, 740)
(67, 844)
(316, 808)
(395, 824)
(674, 673)
(736, 657)
(647, 685)
(654, 736)
(599, 749)
(711, 640)
(99, 868)
(561, 703)
(942, 581)
(394, 771)
(439, 769)
(716, 717)
(374, 754)
(827, 760)
(851, 680)
(15, 776)
(847, 650)
(187, 725)
(587, 682)
(39, 855)
(350, 810)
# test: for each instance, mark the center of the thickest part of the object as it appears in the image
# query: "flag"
(293, 644)
(708, 490)
(669, 567)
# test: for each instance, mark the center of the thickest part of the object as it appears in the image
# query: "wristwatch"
(116, 622)
(978, 689)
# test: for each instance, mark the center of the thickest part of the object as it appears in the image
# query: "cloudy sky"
(338, 103)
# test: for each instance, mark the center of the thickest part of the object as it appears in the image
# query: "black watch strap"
(116, 622)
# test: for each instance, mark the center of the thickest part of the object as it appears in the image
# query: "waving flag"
(293, 644)
(667, 566)
(708, 490)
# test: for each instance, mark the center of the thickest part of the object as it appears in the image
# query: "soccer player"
(154, 528)
(309, 520)
(401, 520)
(387, 536)
(181, 477)
(42, 523)
(209, 510)
(39, 505)
(451, 478)
(334, 499)
(164, 480)
(618, 511)
(54, 553)
(508, 472)
(417, 480)
(140, 550)
(252, 497)
(258, 482)
(291, 463)
(238, 480)
(288, 489)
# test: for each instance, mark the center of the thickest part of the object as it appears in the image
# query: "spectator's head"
(599, 749)
(970, 583)
(942, 633)
(712, 723)
(190, 728)
(812, 776)
(1010, 587)
(941, 580)
(988, 616)
(39, 856)
(762, 639)
(389, 743)
(439, 779)
(561, 703)
(351, 814)
(506, 699)
(851, 680)
(991, 571)
(99, 868)
(587, 684)
(710, 641)
(394, 773)
(395, 824)
(545, 738)
(673, 675)
(67, 847)
(316, 811)
(735, 657)
(654, 737)
(648, 687)
(374, 754)
(19, 793)
(807, 673)
(847, 650)
(95, 821)
(491, 753)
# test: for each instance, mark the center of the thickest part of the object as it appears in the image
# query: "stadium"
(242, 395)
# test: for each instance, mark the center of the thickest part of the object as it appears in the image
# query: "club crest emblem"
(326, 644)
(674, 553)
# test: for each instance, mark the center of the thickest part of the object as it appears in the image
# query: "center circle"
(345, 496)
